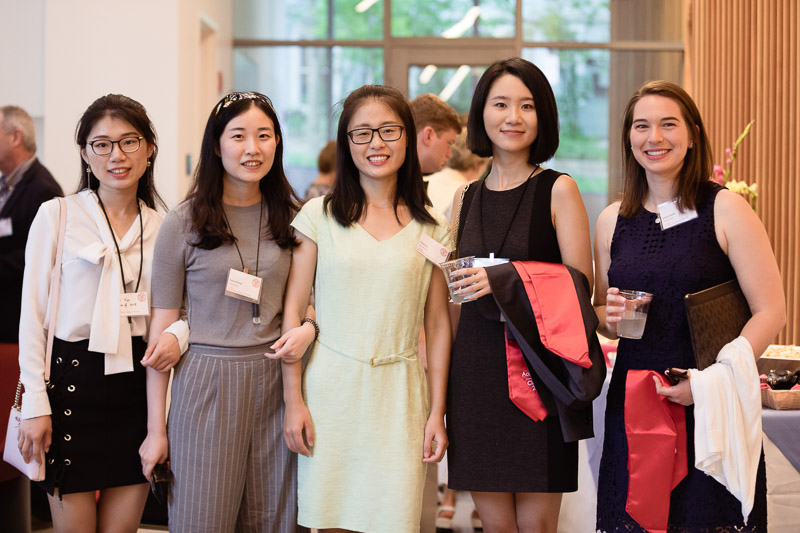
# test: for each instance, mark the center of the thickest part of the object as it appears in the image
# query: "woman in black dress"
(717, 238)
(515, 467)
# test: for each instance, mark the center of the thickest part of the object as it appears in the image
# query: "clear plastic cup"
(634, 316)
(451, 266)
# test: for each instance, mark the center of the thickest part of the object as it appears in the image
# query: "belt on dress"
(409, 354)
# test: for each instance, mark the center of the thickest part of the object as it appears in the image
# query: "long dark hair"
(697, 163)
(123, 108)
(346, 201)
(546, 143)
(205, 196)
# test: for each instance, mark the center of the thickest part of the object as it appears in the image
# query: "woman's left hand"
(293, 344)
(434, 433)
(164, 354)
(680, 393)
(475, 284)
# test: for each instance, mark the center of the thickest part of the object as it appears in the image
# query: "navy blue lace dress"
(669, 264)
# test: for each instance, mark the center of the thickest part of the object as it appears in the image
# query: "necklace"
(256, 307)
(511, 222)
(119, 254)
(379, 206)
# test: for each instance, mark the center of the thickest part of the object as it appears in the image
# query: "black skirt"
(99, 421)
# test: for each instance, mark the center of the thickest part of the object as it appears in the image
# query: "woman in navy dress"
(667, 158)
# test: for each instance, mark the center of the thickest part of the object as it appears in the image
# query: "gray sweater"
(181, 270)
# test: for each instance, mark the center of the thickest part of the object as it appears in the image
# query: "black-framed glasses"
(386, 133)
(105, 146)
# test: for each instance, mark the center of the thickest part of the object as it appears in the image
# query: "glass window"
(357, 19)
(453, 18)
(308, 19)
(565, 20)
(305, 96)
(454, 85)
(580, 82)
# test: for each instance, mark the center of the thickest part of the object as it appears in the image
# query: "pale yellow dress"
(366, 471)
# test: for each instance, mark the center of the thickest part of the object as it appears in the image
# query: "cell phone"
(675, 375)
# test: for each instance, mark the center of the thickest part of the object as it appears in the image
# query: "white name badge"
(431, 249)
(243, 286)
(669, 215)
(5, 227)
(134, 304)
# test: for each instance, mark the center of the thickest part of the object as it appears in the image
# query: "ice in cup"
(451, 266)
(635, 314)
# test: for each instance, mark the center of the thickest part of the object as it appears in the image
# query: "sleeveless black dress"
(495, 447)
(669, 264)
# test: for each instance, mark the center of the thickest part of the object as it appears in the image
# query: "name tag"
(243, 286)
(669, 215)
(431, 249)
(134, 304)
(5, 227)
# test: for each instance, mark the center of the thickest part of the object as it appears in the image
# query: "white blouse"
(91, 284)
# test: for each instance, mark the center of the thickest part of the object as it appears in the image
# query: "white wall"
(22, 59)
(58, 56)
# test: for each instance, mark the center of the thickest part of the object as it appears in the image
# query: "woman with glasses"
(88, 421)
(362, 420)
(226, 252)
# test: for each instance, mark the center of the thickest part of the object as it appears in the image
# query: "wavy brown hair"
(697, 164)
(207, 215)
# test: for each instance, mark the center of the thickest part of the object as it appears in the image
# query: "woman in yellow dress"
(367, 426)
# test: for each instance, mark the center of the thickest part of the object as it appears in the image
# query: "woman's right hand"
(615, 305)
(296, 423)
(34, 438)
(153, 451)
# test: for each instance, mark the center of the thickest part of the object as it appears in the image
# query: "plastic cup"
(634, 316)
(451, 266)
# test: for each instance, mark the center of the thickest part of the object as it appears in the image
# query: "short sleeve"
(169, 262)
(307, 220)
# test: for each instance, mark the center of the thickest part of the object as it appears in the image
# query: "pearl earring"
(691, 145)
(148, 163)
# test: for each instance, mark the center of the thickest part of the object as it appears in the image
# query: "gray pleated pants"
(233, 471)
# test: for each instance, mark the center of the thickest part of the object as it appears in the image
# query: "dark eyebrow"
(124, 135)
(501, 97)
(264, 128)
(382, 124)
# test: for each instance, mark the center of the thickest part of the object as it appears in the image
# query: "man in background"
(24, 185)
(437, 127)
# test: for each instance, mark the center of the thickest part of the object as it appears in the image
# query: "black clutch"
(716, 316)
(159, 482)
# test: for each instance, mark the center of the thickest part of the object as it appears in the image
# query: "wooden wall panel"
(742, 64)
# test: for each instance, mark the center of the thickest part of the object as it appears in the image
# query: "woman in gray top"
(226, 253)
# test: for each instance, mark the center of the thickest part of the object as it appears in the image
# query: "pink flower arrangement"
(721, 174)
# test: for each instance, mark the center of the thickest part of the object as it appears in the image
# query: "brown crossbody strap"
(55, 288)
(457, 219)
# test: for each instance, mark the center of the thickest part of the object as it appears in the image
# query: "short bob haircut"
(346, 202)
(208, 220)
(546, 143)
(697, 164)
(127, 109)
